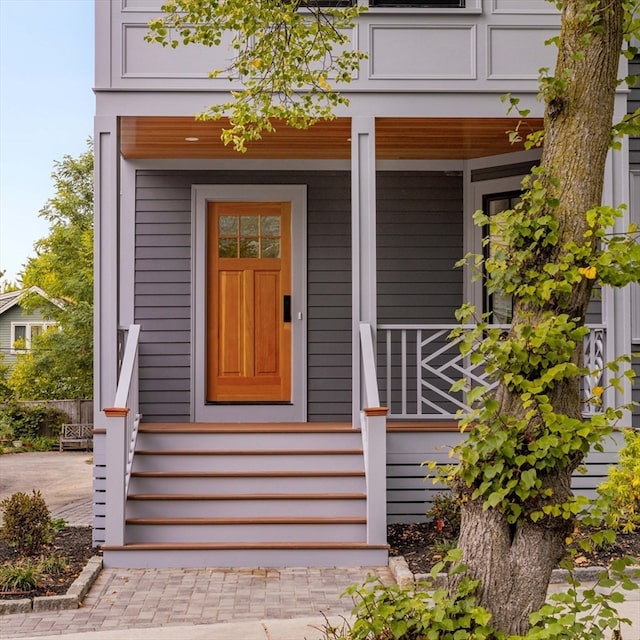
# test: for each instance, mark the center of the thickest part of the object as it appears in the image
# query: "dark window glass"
(498, 304)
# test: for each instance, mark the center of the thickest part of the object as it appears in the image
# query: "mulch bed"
(72, 543)
(422, 546)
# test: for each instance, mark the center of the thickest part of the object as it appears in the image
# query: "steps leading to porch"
(246, 495)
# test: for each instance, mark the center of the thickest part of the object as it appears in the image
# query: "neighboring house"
(287, 297)
(17, 326)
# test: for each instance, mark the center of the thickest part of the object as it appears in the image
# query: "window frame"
(28, 325)
(388, 4)
(512, 195)
(419, 4)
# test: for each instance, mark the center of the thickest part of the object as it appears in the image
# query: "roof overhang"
(166, 137)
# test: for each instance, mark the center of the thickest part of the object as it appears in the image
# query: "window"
(498, 305)
(423, 4)
(329, 3)
(22, 333)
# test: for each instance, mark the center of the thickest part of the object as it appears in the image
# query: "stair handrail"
(374, 442)
(372, 396)
(120, 440)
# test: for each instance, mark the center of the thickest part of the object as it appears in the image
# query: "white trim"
(616, 301)
(16, 297)
(127, 235)
(473, 233)
(106, 216)
(363, 248)
(474, 193)
(201, 194)
(634, 216)
(186, 164)
(28, 325)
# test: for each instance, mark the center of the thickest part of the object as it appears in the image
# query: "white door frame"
(296, 411)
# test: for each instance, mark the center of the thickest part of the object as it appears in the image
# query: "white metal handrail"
(421, 362)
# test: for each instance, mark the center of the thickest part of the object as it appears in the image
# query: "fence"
(78, 411)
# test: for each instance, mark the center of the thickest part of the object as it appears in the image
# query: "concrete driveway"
(63, 478)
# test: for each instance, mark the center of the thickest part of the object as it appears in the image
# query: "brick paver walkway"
(137, 598)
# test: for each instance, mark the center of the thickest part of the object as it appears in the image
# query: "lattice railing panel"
(420, 363)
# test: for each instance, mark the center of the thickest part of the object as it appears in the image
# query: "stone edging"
(71, 600)
(403, 576)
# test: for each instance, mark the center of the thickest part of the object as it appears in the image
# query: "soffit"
(396, 139)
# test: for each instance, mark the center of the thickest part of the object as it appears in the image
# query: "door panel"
(249, 273)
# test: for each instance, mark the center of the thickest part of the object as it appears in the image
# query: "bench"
(76, 436)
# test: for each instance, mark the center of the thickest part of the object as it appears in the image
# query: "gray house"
(18, 326)
(272, 363)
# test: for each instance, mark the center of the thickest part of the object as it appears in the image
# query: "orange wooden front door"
(248, 302)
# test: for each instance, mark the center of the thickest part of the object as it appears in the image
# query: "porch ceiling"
(396, 139)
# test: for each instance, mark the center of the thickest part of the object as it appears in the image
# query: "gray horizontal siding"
(419, 240)
(410, 492)
(15, 314)
(420, 227)
(163, 298)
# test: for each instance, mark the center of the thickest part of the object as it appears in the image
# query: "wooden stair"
(268, 495)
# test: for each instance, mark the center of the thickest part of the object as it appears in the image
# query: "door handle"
(286, 309)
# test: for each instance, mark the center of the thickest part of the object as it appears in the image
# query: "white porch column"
(616, 302)
(363, 244)
(106, 205)
(109, 448)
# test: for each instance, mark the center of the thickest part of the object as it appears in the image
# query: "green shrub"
(27, 524)
(43, 443)
(22, 576)
(622, 488)
(28, 422)
(445, 514)
(53, 564)
(6, 427)
(392, 612)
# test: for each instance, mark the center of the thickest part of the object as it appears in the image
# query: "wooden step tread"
(255, 427)
(247, 496)
(250, 521)
(221, 546)
(248, 474)
(249, 452)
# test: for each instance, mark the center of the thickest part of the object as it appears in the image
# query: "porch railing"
(417, 364)
(121, 436)
(374, 442)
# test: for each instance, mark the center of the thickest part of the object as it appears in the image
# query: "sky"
(46, 111)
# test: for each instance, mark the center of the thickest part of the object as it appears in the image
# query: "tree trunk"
(514, 561)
